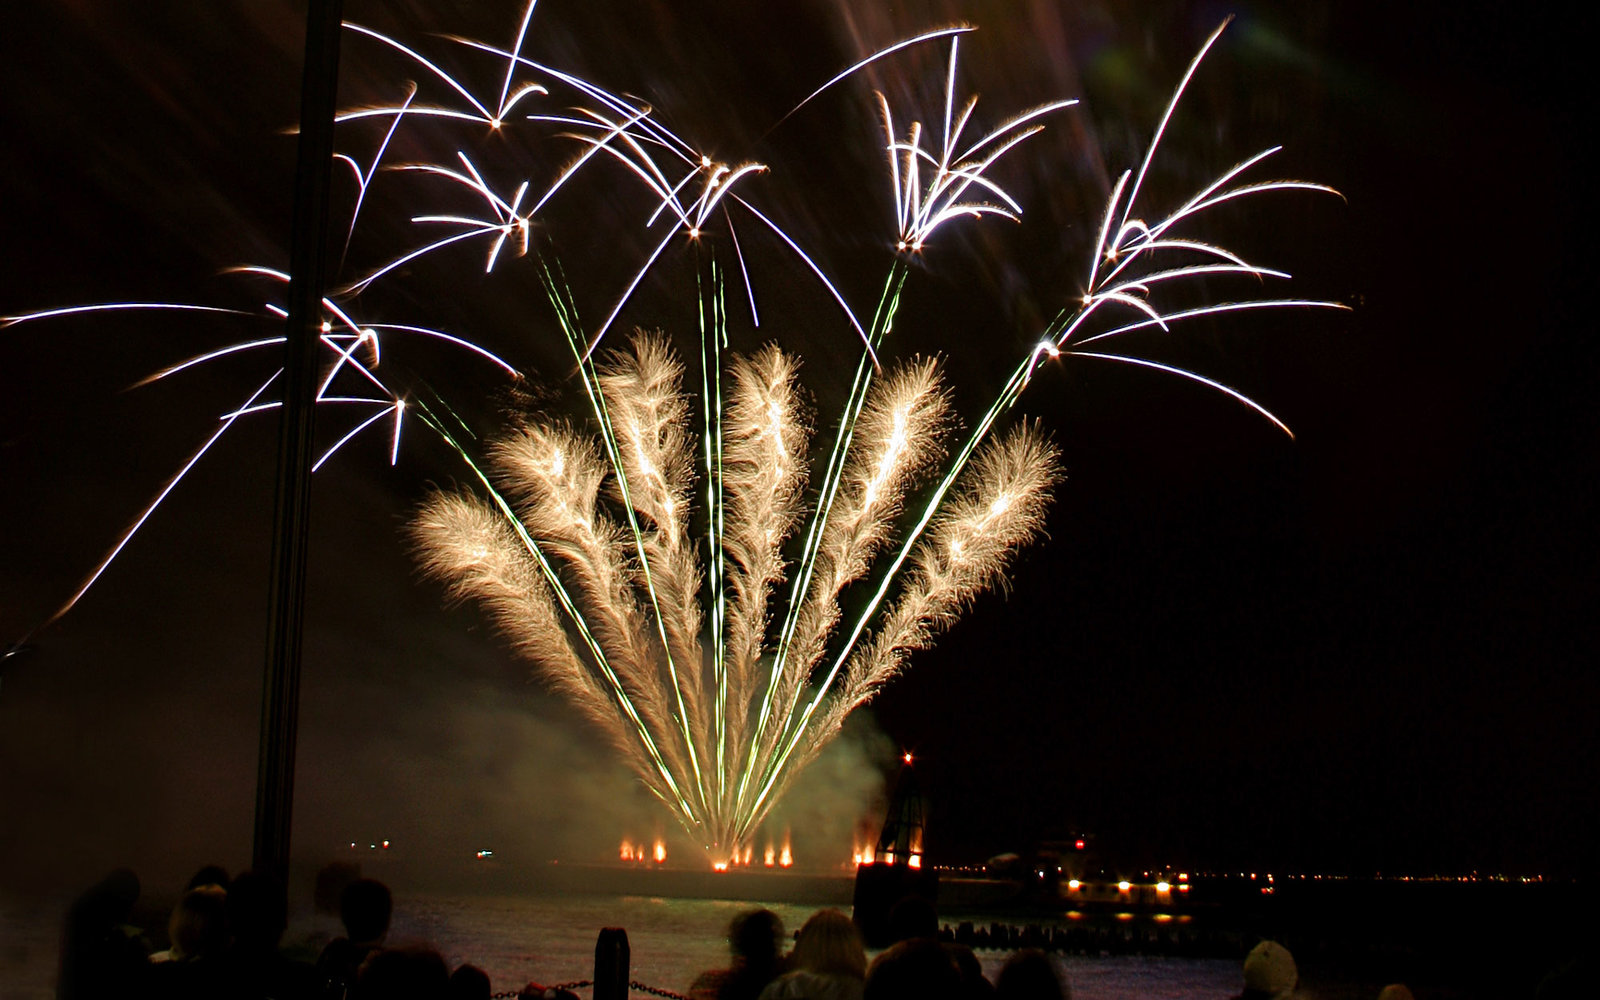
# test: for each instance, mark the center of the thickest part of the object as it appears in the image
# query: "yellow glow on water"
(1163, 887)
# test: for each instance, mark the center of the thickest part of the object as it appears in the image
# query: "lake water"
(551, 940)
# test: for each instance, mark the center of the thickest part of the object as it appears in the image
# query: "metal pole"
(280, 698)
(611, 964)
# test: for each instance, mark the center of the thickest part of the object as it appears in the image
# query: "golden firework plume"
(553, 536)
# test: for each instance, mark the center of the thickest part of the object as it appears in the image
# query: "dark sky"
(1358, 650)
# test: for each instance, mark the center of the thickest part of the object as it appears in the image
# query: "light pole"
(280, 698)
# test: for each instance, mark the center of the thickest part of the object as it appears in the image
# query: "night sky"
(1360, 650)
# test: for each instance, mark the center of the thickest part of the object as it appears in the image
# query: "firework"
(558, 528)
(681, 565)
(599, 523)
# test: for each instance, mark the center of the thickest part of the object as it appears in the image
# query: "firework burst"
(557, 531)
(681, 565)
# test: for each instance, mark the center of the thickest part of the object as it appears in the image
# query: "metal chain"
(654, 991)
(636, 986)
(512, 994)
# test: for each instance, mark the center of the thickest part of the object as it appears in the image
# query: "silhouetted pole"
(280, 696)
(611, 964)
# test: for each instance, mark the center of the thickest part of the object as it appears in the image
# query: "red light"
(1078, 845)
(906, 758)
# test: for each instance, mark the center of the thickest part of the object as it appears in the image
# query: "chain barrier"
(544, 991)
(579, 984)
(639, 987)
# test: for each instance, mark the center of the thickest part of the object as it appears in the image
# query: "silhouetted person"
(195, 965)
(918, 969)
(365, 907)
(413, 972)
(469, 982)
(101, 955)
(753, 939)
(828, 962)
(1269, 972)
(208, 875)
(973, 985)
(1030, 975)
(257, 969)
(333, 879)
(197, 926)
(307, 941)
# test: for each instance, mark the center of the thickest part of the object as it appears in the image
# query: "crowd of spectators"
(224, 940)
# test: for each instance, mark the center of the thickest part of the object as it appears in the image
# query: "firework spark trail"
(364, 177)
(658, 776)
(342, 347)
(554, 477)
(717, 182)
(507, 221)
(764, 472)
(477, 555)
(566, 314)
(1000, 509)
(882, 323)
(650, 414)
(896, 439)
(919, 211)
(713, 340)
(480, 111)
(133, 529)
